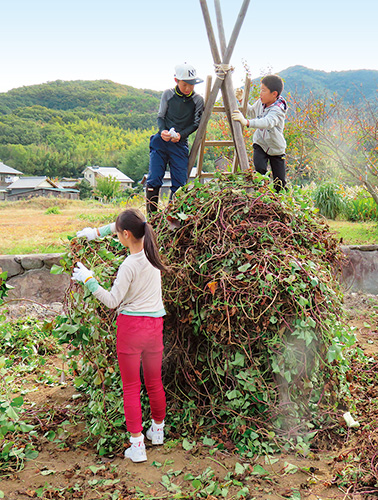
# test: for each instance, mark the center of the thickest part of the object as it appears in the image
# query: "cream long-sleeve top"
(136, 290)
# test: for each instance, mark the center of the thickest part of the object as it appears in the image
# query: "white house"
(8, 174)
(91, 174)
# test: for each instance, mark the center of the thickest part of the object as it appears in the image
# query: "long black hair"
(133, 220)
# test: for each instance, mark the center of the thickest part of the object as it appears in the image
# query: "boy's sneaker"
(156, 433)
(137, 451)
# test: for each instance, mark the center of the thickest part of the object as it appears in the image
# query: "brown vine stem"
(26, 300)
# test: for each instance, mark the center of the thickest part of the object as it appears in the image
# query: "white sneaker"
(156, 433)
(137, 451)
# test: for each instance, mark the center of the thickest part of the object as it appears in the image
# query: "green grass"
(355, 233)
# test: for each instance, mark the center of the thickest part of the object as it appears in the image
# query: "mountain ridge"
(350, 85)
(110, 98)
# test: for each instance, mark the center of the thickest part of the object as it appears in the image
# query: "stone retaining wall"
(360, 274)
(30, 274)
(31, 278)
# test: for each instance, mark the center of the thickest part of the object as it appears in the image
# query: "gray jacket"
(269, 122)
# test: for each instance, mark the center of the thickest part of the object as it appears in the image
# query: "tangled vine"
(252, 334)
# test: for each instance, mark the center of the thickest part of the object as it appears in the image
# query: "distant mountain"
(353, 85)
(99, 96)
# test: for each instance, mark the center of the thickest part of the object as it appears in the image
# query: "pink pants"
(140, 337)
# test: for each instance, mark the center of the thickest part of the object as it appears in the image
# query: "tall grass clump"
(360, 207)
(328, 198)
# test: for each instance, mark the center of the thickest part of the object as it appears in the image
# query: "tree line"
(59, 128)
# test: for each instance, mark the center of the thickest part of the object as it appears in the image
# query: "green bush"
(52, 210)
(108, 188)
(329, 200)
(361, 208)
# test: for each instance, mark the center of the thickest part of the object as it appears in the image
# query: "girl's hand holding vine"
(81, 273)
(91, 233)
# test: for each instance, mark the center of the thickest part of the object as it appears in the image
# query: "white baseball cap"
(187, 73)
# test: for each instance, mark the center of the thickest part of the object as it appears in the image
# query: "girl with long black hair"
(136, 293)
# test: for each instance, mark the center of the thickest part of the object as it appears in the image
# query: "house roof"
(110, 172)
(31, 183)
(67, 182)
(4, 169)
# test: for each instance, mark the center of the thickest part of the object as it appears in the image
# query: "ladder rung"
(219, 143)
(219, 109)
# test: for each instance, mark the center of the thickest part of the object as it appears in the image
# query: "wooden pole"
(221, 34)
(244, 107)
(216, 57)
(202, 148)
(229, 97)
(201, 131)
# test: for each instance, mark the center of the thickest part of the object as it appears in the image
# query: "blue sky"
(138, 43)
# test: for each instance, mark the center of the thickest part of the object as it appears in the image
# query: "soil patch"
(72, 468)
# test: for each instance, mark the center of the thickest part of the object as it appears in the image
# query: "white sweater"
(136, 289)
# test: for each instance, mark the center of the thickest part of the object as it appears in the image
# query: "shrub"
(361, 208)
(52, 210)
(108, 187)
(329, 200)
(86, 190)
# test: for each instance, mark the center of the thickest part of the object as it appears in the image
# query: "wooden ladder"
(208, 143)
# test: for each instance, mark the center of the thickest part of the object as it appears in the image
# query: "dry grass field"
(42, 225)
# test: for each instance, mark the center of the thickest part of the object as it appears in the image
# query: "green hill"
(350, 86)
(58, 128)
(100, 96)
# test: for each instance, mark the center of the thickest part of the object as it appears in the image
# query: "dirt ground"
(76, 471)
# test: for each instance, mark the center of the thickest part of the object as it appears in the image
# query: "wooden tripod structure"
(223, 82)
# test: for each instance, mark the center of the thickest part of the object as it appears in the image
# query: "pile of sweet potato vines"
(253, 338)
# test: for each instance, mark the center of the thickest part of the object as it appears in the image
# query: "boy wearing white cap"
(179, 116)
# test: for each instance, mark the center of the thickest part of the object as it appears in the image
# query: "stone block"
(51, 259)
(33, 261)
(9, 263)
(39, 285)
(360, 272)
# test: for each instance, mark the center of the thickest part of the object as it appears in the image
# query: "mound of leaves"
(253, 339)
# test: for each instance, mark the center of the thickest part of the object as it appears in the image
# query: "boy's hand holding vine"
(239, 94)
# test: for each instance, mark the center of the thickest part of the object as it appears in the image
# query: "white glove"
(349, 420)
(173, 133)
(89, 232)
(238, 117)
(81, 273)
(239, 94)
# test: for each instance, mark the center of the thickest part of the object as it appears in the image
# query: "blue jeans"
(174, 154)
